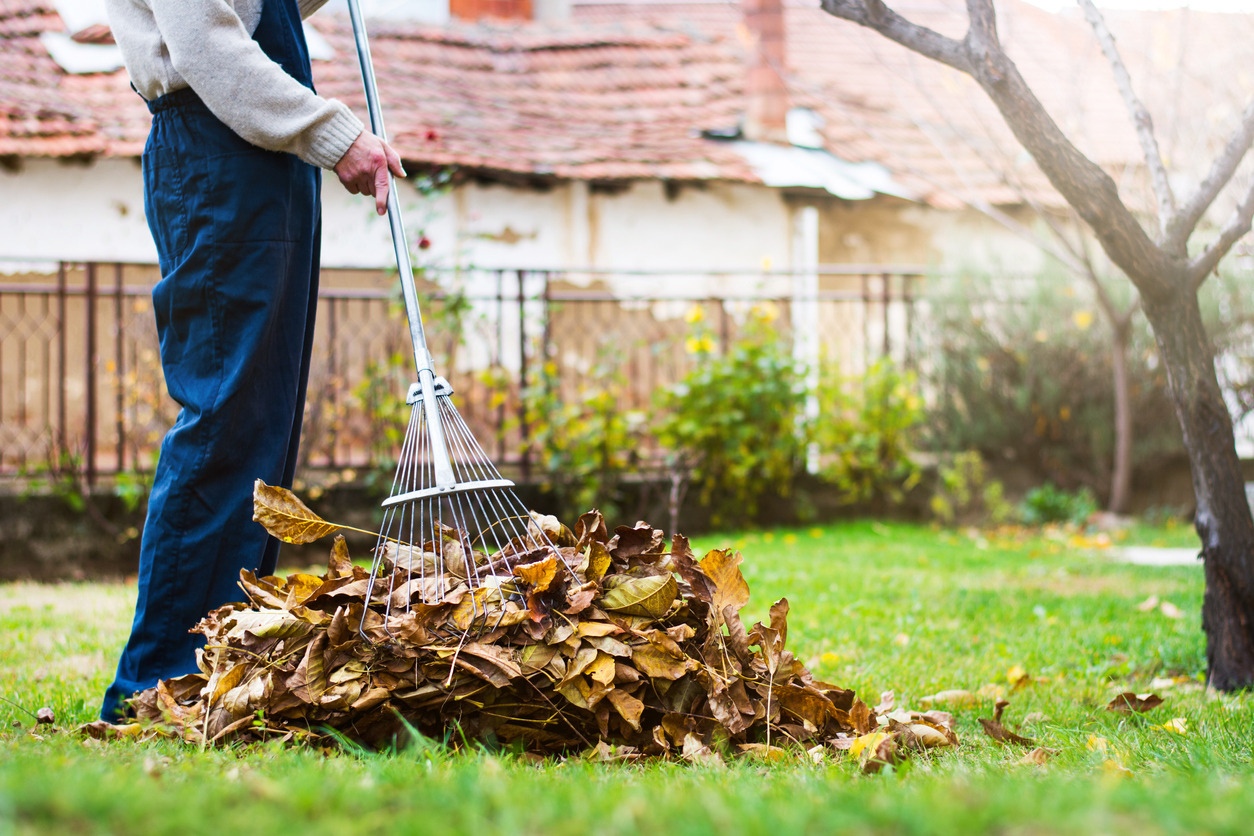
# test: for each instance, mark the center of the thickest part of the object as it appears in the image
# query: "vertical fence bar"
(89, 304)
(866, 319)
(61, 433)
(907, 299)
(524, 441)
(887, 296)
(119, 368)
(500, 362)
(333, 379)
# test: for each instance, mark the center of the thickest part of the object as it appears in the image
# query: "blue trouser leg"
(238, 233)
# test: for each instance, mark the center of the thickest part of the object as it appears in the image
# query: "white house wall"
(56, 211)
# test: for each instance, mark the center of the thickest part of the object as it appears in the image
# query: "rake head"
(452, 528)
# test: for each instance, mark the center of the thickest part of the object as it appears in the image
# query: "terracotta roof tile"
(624, 89)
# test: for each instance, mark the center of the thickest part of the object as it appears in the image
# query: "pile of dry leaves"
(638, 648)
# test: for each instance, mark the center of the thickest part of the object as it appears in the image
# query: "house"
(647, 149)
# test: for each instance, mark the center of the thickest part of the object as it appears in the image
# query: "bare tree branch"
(1238, 224)
(1081, 182)
(873, 14)
(1140, 117)
(1221, 171)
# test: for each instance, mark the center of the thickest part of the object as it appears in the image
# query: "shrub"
(586, 445)
(733, 421)
(866, 432)
(1022, 369)
(1048, 503)
(965, 494)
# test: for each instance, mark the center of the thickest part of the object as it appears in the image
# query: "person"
(232, 195)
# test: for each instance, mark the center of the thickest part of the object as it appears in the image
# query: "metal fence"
(80, 374)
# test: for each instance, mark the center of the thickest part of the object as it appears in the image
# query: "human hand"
(364, 168)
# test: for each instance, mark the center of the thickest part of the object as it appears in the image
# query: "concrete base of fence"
(44, 538)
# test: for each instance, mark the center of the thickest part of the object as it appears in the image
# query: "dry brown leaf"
(1129, 702)
(650, 597)
(722, 567)
(286, 517)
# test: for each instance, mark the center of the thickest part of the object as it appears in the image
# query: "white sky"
(1199, 5)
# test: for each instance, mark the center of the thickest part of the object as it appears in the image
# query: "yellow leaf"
(1017, 677)
(864, 747)
(1115, 769)
(1177, 725)
(1097, 744)
(539, 574)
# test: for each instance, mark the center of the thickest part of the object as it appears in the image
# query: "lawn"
(875, 606)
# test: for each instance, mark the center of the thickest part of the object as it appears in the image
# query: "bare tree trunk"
(1121, 474)
(1223, 518)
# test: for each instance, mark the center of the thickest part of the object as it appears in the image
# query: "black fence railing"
(81, 382)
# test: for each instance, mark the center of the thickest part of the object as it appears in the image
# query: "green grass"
(874, 606)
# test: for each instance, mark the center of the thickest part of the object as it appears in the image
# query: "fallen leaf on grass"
(991, 692)
(1097, 744)
(1170, 610)
(994, 728)
(955, 698)
(1176, 725)
(1114, 769)
(1018, 677)
(1038, 756)
(1128, 702)
(44, 716)
(1148, 604)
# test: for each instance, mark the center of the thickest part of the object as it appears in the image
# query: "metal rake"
(450, 518)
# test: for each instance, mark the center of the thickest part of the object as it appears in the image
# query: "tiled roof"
(937, 131)
(38, 117)
(623, 90)
(594, 102)
(577, 101)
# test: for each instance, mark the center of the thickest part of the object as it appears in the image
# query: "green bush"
(584, 446)
(1048, 503)
(866, 432)
(966, 494)
(733, 422)
(1022, 369)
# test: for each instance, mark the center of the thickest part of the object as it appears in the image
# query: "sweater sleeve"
(210, 48)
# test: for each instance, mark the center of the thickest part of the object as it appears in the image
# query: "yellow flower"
(699, 345)
(1082, 319)
(764, 312)
(695, 314)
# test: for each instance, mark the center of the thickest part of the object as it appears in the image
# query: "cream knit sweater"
(208, 45)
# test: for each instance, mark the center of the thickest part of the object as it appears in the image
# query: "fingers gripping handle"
(400, 243)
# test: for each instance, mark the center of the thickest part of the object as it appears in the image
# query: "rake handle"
(442, 465)
(422, 356)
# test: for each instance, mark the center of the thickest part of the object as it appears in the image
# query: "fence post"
(119, 367)
(89, 300)
(522, 380)
(61, 433)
